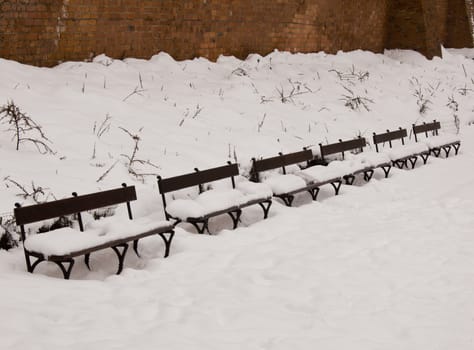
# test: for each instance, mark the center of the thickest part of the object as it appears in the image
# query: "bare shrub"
(24, 129)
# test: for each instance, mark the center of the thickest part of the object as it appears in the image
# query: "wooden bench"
(437, 142)
(400, 156)
(62, 245)
(287, 185)
(210, 203)
(364, 164)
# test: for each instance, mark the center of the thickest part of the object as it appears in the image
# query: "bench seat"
(434, 140)
(218, 200)
(285, 183)
(351, 160)
(406, 151)
(441, 140)
(221, 191)
(273, 172)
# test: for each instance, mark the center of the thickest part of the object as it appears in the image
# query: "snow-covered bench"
(285, 185)
(62, 245)
(437, 142)
(228, 194)
(402, 154)
(349, 159)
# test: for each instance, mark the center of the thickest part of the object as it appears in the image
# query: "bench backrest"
(389, 136)
(198, 178)
(280, 161)
(74, 205)
(342, 146)
(425, 128)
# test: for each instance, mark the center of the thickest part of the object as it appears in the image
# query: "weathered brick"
(48, 31)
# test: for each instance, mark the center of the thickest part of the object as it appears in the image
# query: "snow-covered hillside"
(384, 265)
(201, 114)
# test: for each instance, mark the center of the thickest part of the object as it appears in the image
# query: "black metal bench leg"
(368, 175)
(436, 152)
(266, 209)
(398, 163)
(203, 228)
(66, 271)
(446, 150)
(337, 186)
(349, 179)
(135, 247)
(167, 241)
(87, 260)
(413, 161)
(456, 148)
(386, 170)
(314, 193)
(120, 255)
(235, 215)
(288, 200)
(29, 266)
(425, 157)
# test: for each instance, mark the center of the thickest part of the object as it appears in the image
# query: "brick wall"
(45, 32)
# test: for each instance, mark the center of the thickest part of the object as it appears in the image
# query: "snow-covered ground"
(385, 265)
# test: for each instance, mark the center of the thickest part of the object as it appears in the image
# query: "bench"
(437, 142)
(358, 162)
(285, 186)
(403, 154)
(227, 195)
(62, 245)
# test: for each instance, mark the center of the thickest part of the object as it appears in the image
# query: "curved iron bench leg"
(204, 227)
(413, 160)
(120, 255)
(368, 175)
(288, 200)
(456, 148)
(314, 193)
(66, 271)
(167, 241)
(235, 217)
(265, 209)
(386, 170)
(337, 186)
(87, 260)
(425, 157)
(446, 150)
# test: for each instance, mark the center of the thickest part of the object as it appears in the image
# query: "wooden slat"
(297, 157)
(68, 206)
(219, 173)
(417, 129)
(268, 164)
(343, 146)
(282, 160)
(194, 179)
(390, 136)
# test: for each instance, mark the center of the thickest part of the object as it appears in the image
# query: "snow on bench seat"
(404, 151)
(63, 241)
(285, 183)
(205, 204)
(322, 173)
(441, 140)
(254, 191)
(369, 159)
